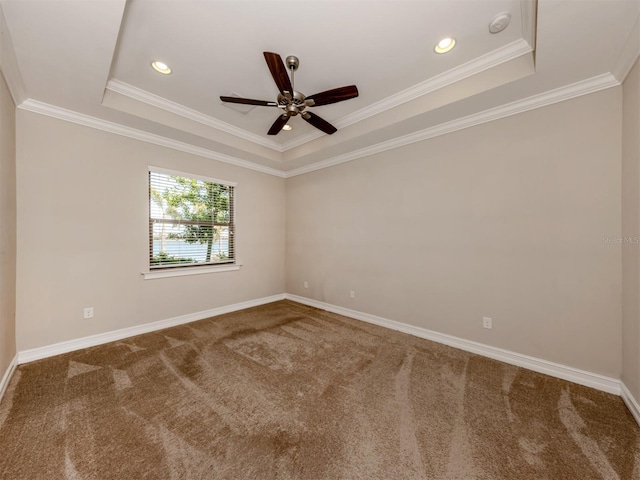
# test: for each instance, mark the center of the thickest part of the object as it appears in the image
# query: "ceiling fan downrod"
(293, 102)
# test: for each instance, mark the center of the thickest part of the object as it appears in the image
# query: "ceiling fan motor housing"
(292, 104)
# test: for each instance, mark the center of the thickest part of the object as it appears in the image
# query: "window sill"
(181, 272)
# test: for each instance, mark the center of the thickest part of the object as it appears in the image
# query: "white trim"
(26, 356)
(176, 173)
(567, 92)
(172, 107)
(496, 57)
(182, 272)
(584, 87)
(582, 377)
(492, 59)
(111, 127)
(6, 378)
(632, 403)
(564, 372)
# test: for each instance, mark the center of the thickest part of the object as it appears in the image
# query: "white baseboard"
(632, 403)
(6, 378)
(571, 374)
(99, 339)
(582, 377)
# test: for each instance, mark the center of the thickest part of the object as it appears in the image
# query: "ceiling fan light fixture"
(161, 67)
(287, 127)
(445, 45)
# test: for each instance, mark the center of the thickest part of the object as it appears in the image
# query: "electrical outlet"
(306, 284)
(88, 312)
(487, 322)
(352, 294)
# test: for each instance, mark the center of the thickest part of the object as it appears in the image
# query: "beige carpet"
(286, 391)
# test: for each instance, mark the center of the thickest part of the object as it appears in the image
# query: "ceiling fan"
(293, 102)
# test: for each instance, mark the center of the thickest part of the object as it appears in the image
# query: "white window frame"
(193, 269)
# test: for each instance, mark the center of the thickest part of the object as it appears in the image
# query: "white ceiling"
(89, 61)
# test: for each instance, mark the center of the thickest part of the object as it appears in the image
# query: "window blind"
(191, 220)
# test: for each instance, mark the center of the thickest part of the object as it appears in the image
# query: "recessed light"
(287, 127)
(445, 45)
(161, 67)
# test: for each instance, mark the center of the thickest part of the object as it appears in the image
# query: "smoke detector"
(500, 22)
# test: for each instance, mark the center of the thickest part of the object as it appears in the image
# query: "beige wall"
(7, 228)
(631, 231)
(505, 220)
(82, 234)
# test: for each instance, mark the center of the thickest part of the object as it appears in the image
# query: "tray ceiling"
(92, 58)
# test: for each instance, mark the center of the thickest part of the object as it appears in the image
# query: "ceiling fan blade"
(319, 123)
(278, 72)
(248, 101)
(333, 96)
(278, 124)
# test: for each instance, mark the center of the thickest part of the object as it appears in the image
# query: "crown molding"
(629, 54)
(485, 62)
(490, 60)
(143, 96)
(496, 57)
(111, 127)
(567, 92)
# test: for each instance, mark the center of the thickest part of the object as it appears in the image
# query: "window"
(191, 220)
